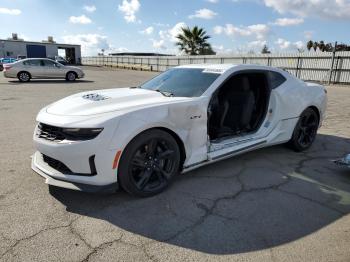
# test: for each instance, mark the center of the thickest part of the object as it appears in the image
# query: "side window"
(275, 79)
(33, 62)
(48, 63)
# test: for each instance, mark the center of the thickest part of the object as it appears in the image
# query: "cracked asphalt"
(268, 205)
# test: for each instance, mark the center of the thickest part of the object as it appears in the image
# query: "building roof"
(33, 42)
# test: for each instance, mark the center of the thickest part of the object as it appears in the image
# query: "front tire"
(149, 163)
(71, 76)
(23, 76)
(305, 131)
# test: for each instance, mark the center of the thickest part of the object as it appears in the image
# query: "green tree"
(265, 50)
(322, 46)
(194, 41)
(315, 45)
(309, 45)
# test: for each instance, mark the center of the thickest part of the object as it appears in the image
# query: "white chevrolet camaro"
(139, 138)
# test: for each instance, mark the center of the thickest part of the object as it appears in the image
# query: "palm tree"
(322, 46)
(265, 50)
(194, 41)
(315, 46)
(309, 45)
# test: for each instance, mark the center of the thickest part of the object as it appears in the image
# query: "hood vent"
(95, 97)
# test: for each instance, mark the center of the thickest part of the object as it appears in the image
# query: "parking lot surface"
(268, 205)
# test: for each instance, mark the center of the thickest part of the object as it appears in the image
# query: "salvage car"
(139, 138)
(41, 68)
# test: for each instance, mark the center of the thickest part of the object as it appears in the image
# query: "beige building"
(18, 48)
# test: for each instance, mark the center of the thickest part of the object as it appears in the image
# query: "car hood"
(73, 67)
(109, 100)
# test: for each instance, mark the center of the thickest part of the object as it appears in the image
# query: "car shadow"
(251, 202)
(49, 81)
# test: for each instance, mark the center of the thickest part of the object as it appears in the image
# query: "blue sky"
(151, 25)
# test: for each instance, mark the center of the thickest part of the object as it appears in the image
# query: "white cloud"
(118, 49)
(161, 24)
(80, 20)
(299, 44)
(91, 44)
(221, 50)
(203, 14)
(308, 34)
(129, 8)
(260, 31)
(8, 11)
(90, 8)
(173, 32)
(288, 21)
(334, 9)
(148, 31)
(257, 44)
(285, 44)
(213, 1)
(167, 38)
(158, 44)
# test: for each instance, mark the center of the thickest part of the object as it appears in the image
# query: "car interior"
(239, 106)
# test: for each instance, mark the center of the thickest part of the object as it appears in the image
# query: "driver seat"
(239, 105)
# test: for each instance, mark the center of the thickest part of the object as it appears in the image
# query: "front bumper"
(55, 178)
(79, 165)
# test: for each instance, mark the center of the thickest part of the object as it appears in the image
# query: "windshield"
(184, 82)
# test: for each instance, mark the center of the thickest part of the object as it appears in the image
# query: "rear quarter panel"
(294, 96)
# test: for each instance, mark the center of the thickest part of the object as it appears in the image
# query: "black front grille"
(62, 168)
(51, 133)
(55, 164)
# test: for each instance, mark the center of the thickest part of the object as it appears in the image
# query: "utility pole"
(332, 63)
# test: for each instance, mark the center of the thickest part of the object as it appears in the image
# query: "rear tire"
(305, 131)
(149, 163)
(23, 76)
(71, 76)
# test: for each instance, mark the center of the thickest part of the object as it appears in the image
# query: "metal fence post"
(336, 71)
(332, 64)
(297, 69)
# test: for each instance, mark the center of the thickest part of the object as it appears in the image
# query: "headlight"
(81, 133)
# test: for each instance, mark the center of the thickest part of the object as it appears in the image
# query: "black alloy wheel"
(149, 163)
(305, 131)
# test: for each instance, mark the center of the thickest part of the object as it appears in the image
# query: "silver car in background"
(41, 68)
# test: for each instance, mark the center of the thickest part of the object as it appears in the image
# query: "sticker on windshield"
(214, 70)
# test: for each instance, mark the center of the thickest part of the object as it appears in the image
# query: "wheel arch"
(179, 141)
(177, 138)
(315, 108)
(72, 71)
(24, 71)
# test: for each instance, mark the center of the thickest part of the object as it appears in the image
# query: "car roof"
(36, 58)
(221, 68)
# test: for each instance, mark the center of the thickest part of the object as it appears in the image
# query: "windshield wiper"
(164, 93)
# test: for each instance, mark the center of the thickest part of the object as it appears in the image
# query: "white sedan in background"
(187, 117)
(41, 68)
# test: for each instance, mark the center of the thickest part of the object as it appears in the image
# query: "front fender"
(176, 117)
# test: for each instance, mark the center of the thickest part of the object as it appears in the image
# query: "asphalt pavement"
(268, 205)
